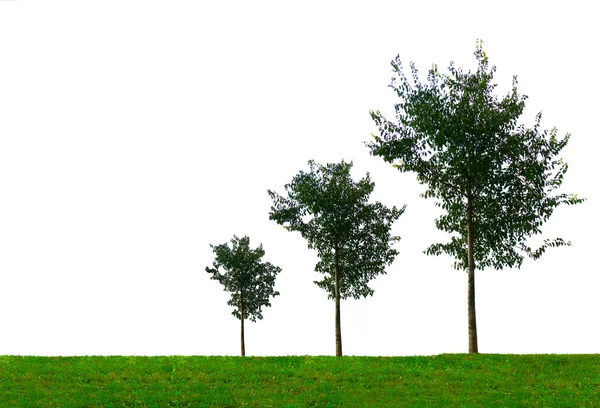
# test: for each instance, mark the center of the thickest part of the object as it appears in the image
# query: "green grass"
(455, 380)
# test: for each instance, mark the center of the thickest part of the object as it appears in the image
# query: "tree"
(351, 236)
(493, 178)
(249, 281)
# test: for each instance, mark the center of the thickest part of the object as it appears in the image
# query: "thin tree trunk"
(242, 322)
(471, 291)
(338, 329)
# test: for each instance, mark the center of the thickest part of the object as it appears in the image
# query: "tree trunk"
(338, 329)
(471, 291)
(242, 322)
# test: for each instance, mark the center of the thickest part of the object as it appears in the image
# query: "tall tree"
(493, 178)
(352, 237)
(249, 280)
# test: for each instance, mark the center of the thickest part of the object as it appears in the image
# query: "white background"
(133, 134)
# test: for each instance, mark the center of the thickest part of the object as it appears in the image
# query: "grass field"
(454, 380)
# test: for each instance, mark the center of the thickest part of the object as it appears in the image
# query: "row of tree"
(493, 178)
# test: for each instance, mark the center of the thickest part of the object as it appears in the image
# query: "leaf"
(344, 228)
(244, 273)
(464, 144)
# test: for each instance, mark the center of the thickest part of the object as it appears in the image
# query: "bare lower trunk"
(242, 322)
(471, 291)
(338, 329)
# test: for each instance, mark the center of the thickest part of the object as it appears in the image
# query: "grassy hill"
(455, 380)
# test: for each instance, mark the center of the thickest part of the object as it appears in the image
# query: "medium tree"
(249, 280)
(493, 178)
(352, 237)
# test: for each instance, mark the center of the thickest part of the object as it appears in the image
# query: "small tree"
(493, 178)
(352, 237)
(249, 281)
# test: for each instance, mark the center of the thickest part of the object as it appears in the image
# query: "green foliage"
(246, 277)
(464, 143)
(196, 381)
(332, 213)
